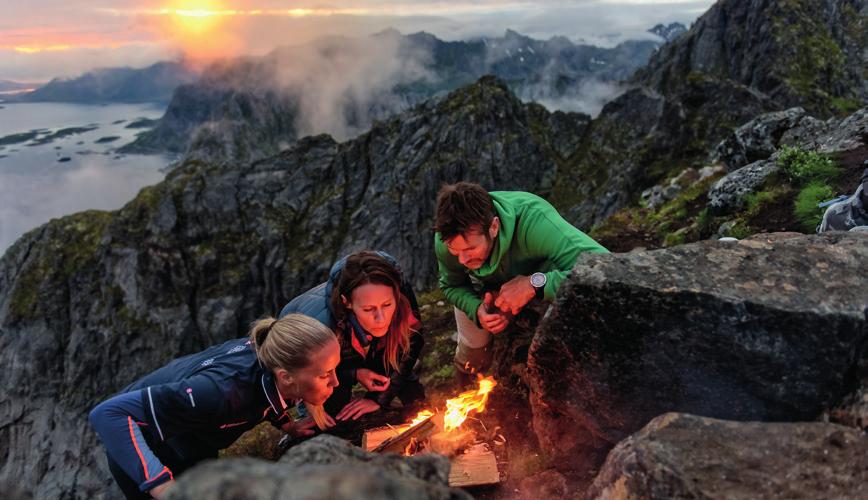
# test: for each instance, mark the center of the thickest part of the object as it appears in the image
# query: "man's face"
(474, 246)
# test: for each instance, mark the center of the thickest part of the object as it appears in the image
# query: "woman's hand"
(356, 408)
(160, 490)
(372, 380)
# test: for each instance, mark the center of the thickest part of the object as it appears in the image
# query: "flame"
(422, 415)
(458, 408)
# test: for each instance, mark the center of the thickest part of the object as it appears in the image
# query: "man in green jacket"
(496, 252)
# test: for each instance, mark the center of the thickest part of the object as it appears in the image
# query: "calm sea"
(36, 186)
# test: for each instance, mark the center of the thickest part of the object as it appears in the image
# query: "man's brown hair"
(463, 206)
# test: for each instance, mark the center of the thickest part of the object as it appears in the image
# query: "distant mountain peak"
(668, 32)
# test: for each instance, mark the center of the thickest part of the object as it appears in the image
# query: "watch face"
(538, 280)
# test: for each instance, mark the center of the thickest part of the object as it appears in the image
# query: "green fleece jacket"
(533, 237)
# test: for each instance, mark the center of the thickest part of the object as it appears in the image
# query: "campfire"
(473, 462)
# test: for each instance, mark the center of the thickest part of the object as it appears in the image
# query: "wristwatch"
(538, 281)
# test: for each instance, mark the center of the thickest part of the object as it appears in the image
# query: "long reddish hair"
(366, 267)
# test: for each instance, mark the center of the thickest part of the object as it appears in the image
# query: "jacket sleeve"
(116, 422)
(454, 281)
(546, 235)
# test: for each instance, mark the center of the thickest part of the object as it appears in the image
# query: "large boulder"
(324, 467)
(770, 329)
(685, 456)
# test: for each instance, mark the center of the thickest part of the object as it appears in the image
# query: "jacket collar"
(269, 388)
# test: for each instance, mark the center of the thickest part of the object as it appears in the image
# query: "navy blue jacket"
(352, 337)
(195, 405)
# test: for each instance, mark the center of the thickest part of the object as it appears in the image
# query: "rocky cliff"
(740, 59)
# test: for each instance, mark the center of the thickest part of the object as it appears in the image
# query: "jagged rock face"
(763, 329)
(324, 467)
(685, 456)
(92, 301)
(191, 105)
(247, 126)
(756, 139)
(740, 59)
(795, 52)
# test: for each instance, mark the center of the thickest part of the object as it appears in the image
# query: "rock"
(853, 410)
(832, 136)
(774, 333)
(685, 456)
(323, 467)
(709, 170)
(756, 139)
(727, 194)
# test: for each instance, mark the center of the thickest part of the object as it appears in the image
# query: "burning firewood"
(473, 463)
(450, 443)
(398, 444)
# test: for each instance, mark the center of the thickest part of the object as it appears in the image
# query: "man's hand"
(515, 294)
(356, 408)
(372, 380)
(494, 322)
(160, 490)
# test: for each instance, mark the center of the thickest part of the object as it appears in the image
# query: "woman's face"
(374, 306)
(316, 382)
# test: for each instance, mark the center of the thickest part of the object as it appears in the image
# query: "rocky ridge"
(738, 60)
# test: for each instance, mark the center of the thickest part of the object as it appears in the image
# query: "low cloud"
(344, 83)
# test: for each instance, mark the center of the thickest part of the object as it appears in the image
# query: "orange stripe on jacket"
(136, 444)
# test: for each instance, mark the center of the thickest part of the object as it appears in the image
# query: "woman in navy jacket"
(196, 405)
(373, 311)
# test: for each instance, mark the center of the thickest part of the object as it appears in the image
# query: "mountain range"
(555, 72)
(155, 83)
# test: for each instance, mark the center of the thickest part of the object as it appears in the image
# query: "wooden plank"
(373, 437)
(397, 444)
(476, 467)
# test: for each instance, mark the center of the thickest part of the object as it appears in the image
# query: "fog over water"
(35, 187)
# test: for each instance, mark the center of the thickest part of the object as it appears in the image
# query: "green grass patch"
(806, 167)
(807, 213)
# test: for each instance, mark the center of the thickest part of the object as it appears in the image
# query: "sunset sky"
(41, 39)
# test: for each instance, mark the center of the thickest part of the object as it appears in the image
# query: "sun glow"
(197, 17)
